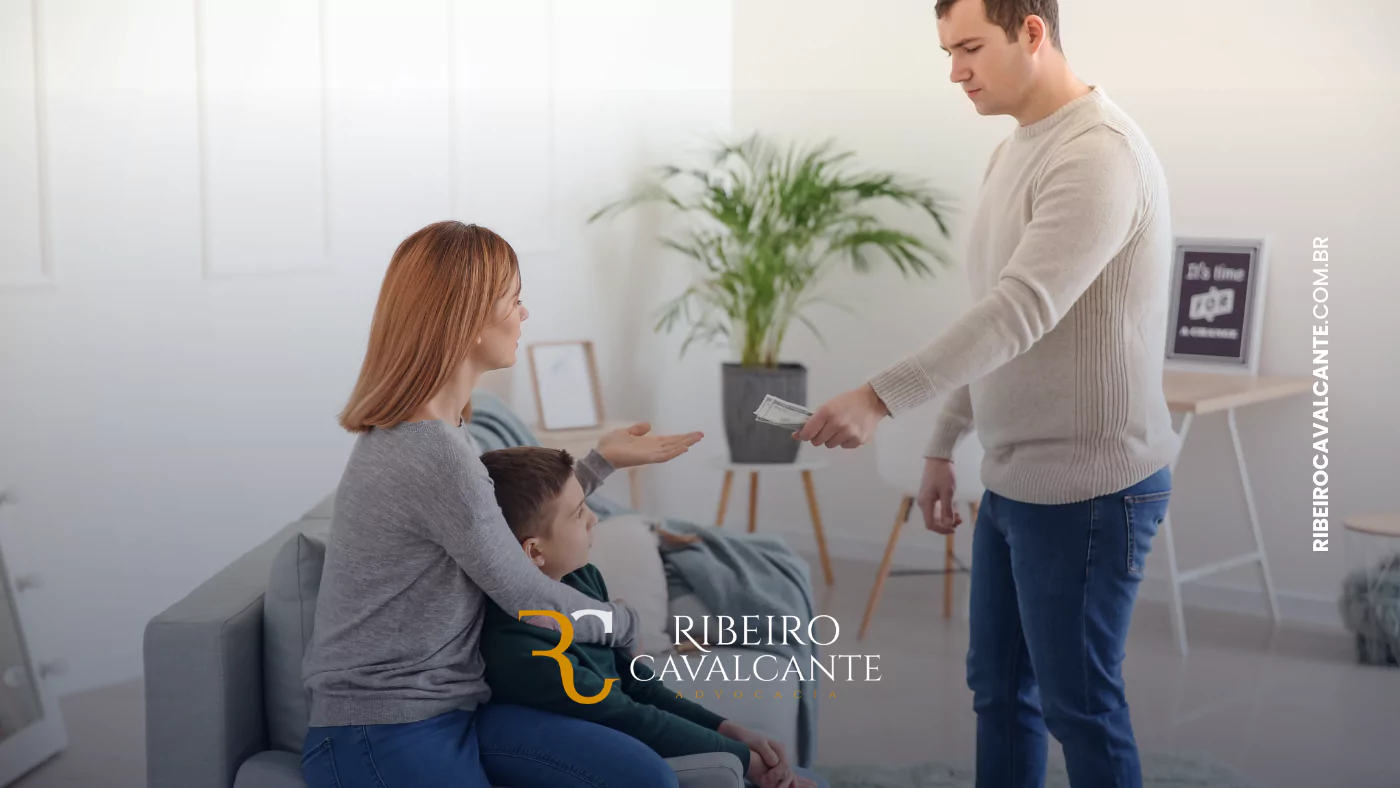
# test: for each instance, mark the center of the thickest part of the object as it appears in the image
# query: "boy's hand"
(635, 446)
(780, 776)
(767, 749)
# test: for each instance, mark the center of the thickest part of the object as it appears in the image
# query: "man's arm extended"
(1083, 213)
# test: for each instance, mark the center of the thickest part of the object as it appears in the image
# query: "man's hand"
(936, 496)
(633, 446)
(846, 420)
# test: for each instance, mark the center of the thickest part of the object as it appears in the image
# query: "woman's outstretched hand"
(635, 445)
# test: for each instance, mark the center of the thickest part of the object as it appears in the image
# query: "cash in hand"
(781, 413)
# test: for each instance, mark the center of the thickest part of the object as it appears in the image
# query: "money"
(781, 413)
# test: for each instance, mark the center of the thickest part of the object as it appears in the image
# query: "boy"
(545, 507)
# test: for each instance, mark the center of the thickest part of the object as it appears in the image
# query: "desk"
(1202, 393)
(579, 442)
(803, 467)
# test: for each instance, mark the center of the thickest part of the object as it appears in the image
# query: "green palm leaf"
(772, 222)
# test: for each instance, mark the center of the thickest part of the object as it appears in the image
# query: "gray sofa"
(224, 705)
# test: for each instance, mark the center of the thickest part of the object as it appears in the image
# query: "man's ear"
(1035, 33)
(531, 546)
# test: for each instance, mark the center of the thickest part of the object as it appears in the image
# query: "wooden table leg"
(817, 524)
(724, 497)
(904, 505)
(753, 501)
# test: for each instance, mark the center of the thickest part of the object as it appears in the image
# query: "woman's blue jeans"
(495, 745)
(1053, 588)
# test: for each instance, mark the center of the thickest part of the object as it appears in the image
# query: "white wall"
(186, 280)
(197, 203)
(1278, 124)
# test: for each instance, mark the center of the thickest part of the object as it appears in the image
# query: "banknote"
(781, 413)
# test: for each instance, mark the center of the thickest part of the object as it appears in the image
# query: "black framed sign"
(1217, 304)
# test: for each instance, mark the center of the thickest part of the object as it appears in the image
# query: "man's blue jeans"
(1053, 588)
(498, 744)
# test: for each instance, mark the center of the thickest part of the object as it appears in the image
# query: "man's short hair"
(528, 480)
(1009, 14)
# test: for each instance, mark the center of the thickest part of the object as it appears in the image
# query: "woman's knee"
(525, 746)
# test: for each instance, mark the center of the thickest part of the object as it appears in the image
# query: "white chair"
(899, 457)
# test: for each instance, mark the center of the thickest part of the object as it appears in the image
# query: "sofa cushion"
(270, 769)
(625, 550)
(768, 714)
(274, 769)
(322, 510)
(765, 712)
(289, 612)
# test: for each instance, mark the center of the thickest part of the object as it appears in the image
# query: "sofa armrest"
(204, 662)
(708, 770)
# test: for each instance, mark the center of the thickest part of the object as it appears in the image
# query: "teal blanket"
(731, 573)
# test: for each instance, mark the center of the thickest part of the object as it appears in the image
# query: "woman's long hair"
(438, 294)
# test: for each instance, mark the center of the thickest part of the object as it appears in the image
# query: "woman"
(417, 544)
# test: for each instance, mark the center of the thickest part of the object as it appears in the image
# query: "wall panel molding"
(264, 205)
(501, 109)
(28, 264)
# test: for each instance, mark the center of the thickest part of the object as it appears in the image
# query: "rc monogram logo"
(698, 662)
(566, 639)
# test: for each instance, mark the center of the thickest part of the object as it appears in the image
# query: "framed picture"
(566, 385)
(1217, 305)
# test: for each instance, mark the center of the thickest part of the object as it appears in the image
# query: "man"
(1059, 362)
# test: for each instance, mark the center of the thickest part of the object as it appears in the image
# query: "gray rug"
(1159, 770)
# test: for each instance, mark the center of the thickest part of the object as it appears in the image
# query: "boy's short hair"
(528, 479)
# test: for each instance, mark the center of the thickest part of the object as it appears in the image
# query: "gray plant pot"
(744, 390)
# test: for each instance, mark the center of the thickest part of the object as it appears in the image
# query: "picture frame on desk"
(1216, 312)
(565, 379)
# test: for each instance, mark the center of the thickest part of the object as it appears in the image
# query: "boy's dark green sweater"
(641, 707)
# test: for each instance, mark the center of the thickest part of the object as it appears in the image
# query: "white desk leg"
(1253, 517)
(1178, 620)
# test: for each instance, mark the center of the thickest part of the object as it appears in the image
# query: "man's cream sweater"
(1059, 360)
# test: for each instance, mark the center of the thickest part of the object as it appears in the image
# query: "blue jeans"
(498, 744)
(1053, 588)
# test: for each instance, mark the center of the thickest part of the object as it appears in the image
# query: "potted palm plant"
(773, 222)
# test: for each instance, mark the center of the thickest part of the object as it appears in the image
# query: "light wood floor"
(1286, 708)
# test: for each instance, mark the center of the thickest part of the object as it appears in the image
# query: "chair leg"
(753, 501)
(724, 497)
(905, 504)
(817, 524)
(948, 576)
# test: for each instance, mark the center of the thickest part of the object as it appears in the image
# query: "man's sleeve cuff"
(903, 386)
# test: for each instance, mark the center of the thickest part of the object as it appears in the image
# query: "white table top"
(1380, 524)
(722, 463)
